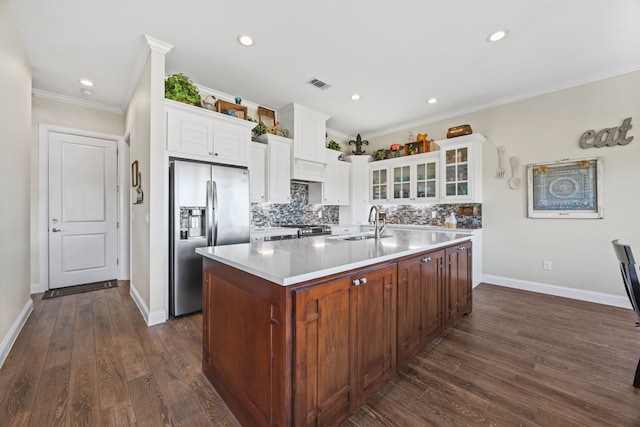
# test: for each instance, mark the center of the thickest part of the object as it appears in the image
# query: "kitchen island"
(303, 332)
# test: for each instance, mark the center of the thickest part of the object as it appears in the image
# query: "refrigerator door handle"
(209, 214)
(214, 208)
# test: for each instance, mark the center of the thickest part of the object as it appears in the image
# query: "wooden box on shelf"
(421, 147)
(231, 109)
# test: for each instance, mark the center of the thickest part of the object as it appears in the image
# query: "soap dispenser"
(451, 221)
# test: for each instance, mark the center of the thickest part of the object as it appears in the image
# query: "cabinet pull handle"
(363, 280)
(426, 259)
(356, 282)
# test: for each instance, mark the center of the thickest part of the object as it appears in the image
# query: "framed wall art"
(565, 189)
(266, 116)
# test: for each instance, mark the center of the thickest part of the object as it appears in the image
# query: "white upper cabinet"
(258, 173)
(308, 128)
(270, 169)
(359, 178)
(201, 134)
(414, 179)
(461, 169)
(452, 174)
(335, 190)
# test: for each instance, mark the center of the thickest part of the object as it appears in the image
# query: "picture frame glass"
(266, 116)
(565, 189)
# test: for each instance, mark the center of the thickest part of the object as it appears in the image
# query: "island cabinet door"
(376, 350)
(458, 281)
(324, 371)
(420, 291)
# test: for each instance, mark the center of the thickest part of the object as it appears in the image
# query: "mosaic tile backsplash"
(299, 211)
(422, 215)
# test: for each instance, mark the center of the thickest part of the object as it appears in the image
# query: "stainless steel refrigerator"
(209, 206)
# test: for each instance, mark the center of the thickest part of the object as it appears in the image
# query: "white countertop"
(287, 262)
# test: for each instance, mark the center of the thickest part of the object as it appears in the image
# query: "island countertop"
(287, 262)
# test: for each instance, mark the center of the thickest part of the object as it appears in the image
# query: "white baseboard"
(561, 291)
(37, 288)
(153, 318)
(12, 335)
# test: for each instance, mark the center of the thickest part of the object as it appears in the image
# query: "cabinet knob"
(356, 282)
(215, 154)
(426, 259)
(363, 280)
(211, 153)
(462, 248)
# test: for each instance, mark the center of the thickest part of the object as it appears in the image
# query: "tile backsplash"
(299, 211)
(422, 215)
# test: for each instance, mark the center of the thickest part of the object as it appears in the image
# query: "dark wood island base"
(312, 353)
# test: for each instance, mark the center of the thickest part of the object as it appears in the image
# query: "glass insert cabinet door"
(457, 172)
(379, 184)
(401, 182)
(426, 180)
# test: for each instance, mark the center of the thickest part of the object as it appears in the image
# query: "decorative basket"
(459, 131)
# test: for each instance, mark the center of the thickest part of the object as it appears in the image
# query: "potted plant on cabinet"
(179, 88)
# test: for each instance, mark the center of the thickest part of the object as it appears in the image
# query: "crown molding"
(76, 101)
(508, 100)
(339, 134)
(148, 44)
(158, 45)
(227, 97)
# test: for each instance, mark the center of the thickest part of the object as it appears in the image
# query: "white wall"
(15, 143)
(50, 112)
(138, 125)
(149, 220)
(547, 128)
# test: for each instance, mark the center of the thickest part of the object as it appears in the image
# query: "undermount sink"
(359, 237)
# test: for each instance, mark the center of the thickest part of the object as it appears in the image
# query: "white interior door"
(82, 210)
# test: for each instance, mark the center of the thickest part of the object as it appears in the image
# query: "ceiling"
(395, 55)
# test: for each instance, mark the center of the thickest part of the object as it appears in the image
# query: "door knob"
(56, 230)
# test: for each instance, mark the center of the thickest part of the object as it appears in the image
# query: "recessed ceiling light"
(86, 82)
(355, 97)
(498, 35)
(86, 92)
(245, 40)
(432, 100)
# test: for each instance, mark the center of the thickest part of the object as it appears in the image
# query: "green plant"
(179, 88)
(381, 154)
(334, 145)
(261, 129)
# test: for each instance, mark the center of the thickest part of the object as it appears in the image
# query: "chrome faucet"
(379, 228)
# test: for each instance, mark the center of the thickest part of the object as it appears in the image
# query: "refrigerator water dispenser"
(196, 222)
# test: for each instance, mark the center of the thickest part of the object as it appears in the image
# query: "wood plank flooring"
(520, 359)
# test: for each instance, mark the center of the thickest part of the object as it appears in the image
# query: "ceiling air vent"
(318, 83)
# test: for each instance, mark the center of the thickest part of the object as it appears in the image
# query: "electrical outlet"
(434, 214)
(546, 265)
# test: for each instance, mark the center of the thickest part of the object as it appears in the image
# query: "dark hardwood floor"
(520, 359)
